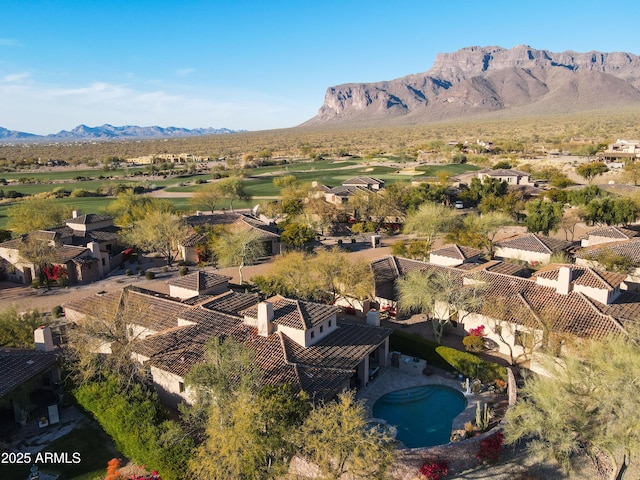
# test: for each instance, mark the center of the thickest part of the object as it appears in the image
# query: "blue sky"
(254, 65)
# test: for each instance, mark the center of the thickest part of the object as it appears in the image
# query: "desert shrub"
(134, 418)
(471, 366)
(434, 469)
(473, 343)
(56, 311)
(35, 283)
(128, 271)
(490, 448)
(150, 275)
(165, 269)
(183, 270)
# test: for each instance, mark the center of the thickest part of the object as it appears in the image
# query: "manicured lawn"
(90, 441)
(67, 174)
(452, 169)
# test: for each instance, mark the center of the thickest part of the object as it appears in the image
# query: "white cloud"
(16, 77)
(9, 42)
(44, 109)
(185, 72)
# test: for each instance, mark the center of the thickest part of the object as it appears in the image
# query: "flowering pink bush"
(490, 448)
(477, 332)
(434, 469)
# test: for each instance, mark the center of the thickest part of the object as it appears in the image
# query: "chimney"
(373, 318)
(265, 319)
(75, 214)
(563, 287)
(43, 340)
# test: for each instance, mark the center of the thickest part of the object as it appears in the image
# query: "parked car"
(458, 204)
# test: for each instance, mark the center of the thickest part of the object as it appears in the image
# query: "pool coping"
(409, 375)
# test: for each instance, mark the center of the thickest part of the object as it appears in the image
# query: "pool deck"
(408, 375)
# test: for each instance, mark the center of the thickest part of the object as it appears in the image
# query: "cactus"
(483, 416)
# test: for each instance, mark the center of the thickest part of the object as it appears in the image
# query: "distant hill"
(478, 80)
(110, 132)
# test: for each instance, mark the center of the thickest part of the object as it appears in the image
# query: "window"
(329, 322)
(313, 334)
(321, 328)
(181, 387)
(524, 339)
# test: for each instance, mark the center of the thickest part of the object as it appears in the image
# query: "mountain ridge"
(111, 132)
(480, 80)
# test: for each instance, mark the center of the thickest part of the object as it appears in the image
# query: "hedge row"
(136, 422)
(446, 358)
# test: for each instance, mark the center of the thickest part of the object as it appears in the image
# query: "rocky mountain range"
(110, 132)
(479, 80)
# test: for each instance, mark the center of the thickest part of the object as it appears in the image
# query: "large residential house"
(88, 246)
(297, 342)
(526, 317)
(622, 250)
(530, 247)
(235, 222)
(602, 235)
(621, 151)
(508, 175)
(27, 373)
(340, 195)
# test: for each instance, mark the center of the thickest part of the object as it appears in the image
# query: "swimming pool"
(422, 415)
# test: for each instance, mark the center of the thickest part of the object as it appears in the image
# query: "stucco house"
(27, 371)
(453, 255)
(602, 235)
(297, 342)
(626, 250)
(198, 283)
(80, 265)
(525, 318)
(530, 247)
(508, 175)
(234, 222)
(89, 247)
(365, 182)
(620, 151)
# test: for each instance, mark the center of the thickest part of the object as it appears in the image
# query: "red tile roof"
(199, 281)
(295, 313)
(532, 242)
(459, 252)
(19, 366)
(528, 303)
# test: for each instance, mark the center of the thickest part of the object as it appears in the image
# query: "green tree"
(479, 231)
(37, 214)
(543, 217)
(588, 406)
(611, 211)
(631, 172)
(130, 208)
(337, 438)
(296, 234)
(439, 294)
(589, 171)
(430, 220)
(40, 252)
(232, 188)
(247, 425)
(16, 328)
(238, 249)
(207, 197)
(159, 232)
